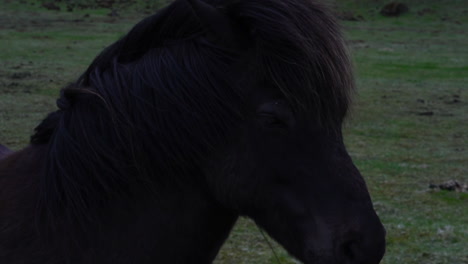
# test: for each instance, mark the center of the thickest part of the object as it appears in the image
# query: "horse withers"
(203, 112)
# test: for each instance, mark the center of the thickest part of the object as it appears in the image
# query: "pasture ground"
(408, 128)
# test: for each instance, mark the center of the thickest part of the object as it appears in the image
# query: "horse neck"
(178, 225)
(183, 225)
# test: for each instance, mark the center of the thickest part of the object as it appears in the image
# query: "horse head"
(286, 165)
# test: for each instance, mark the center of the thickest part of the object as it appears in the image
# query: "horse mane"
(155, 103)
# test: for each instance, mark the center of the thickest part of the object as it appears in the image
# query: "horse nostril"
(351, 250)
(364, 250)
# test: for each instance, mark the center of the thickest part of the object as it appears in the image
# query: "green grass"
(408, 66)
(408, 127)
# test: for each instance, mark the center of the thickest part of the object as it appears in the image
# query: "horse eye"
(271, 120)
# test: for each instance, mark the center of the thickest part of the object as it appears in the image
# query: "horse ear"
(218, 23)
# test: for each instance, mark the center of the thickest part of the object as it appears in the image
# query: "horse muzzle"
(354, 246)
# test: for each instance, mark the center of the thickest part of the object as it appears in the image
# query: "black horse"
(203, 112)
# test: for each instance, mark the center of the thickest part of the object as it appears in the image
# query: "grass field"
(408, 128)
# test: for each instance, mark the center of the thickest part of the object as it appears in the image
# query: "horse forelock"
(300, 50)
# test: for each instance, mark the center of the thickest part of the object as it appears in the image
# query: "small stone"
(394, 9)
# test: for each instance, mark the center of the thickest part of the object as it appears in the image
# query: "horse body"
(201, 113)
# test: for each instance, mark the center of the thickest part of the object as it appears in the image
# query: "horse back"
(4, 151)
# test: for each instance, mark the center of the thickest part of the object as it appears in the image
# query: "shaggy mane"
(158, 100)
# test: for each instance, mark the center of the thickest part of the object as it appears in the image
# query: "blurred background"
(407, 132)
